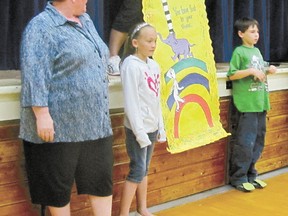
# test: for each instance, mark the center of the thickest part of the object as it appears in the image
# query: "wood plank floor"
(273, 200)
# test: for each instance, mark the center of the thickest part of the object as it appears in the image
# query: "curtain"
(14, 16)
(279, 30)
(272, 16)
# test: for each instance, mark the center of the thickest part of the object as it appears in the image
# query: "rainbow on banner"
(189, 90)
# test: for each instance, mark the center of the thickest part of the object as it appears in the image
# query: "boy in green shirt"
(251, 98)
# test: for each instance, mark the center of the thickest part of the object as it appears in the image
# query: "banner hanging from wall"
(189, 89)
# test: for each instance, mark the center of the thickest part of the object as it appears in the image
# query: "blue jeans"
(248, 146)
(139, 157)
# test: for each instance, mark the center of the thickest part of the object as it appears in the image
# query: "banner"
(189, 89)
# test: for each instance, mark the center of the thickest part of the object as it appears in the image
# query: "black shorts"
(130, 13)
(53, 167)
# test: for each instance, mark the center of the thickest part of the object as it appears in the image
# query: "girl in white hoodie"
(143, 121)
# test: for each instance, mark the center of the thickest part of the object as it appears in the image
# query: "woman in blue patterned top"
(65, 123)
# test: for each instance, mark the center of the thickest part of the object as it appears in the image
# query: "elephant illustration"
(179, 46)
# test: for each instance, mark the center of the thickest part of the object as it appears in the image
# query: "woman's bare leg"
(101, 206)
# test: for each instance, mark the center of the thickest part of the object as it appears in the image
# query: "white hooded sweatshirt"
(141, 89)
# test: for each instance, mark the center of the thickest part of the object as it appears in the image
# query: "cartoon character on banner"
(181, 47)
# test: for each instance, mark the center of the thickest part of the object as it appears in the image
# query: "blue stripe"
(231, 30)
(36, 7)
(224, 4)
(98, 18)
(266, 30)
(251, 6)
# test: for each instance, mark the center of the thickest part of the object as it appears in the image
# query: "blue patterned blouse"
(63, 67)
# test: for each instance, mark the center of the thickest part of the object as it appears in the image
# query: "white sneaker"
(113, 66)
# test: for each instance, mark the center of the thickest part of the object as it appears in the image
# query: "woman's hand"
(44, 123)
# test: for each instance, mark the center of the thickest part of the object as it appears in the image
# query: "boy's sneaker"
(245, 187)
(113, 66)
(257, 183)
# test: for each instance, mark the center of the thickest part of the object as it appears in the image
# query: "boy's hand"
(258, 75)
(272, 69)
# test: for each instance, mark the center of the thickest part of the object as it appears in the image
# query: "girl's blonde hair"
(134, 33)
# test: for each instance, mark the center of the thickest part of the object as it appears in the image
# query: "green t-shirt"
(249, 95)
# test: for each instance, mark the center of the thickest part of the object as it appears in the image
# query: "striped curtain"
(14, 15)
(271, 14)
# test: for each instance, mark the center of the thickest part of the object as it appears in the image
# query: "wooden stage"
(262, 202)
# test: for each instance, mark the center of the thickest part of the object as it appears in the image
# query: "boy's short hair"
(244, 23)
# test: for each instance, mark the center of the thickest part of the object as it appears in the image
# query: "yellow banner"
(189, 90)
